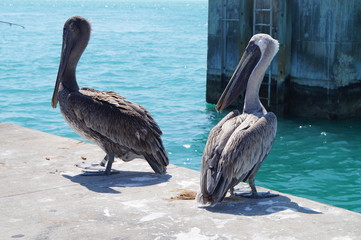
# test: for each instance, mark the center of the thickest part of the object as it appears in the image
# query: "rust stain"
(183, 194)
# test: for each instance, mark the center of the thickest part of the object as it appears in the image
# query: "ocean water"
(154, 53)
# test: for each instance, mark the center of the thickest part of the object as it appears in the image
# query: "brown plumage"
(239, 143)
(121, 128)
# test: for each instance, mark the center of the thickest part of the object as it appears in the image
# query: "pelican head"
(250, 70)
(76, 34)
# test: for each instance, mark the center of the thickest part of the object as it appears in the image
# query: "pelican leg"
(110, 158)
(93, 166)
(105, 159)
(95, 170)
(255, 194)
(251, 182)
(231, 191)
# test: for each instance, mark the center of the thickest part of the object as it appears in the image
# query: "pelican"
(239, 143)
(121, 128)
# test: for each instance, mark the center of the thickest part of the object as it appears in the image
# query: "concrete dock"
(43, 196)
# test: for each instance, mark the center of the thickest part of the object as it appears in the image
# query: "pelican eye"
(72, 26)
(251, 46)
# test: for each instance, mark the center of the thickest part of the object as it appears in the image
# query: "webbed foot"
(99, 173)
(256, 195)
(95, 169)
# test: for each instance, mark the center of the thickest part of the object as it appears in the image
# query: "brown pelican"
(121, 128)
(239, 143)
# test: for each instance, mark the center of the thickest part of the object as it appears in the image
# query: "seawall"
(43, 196)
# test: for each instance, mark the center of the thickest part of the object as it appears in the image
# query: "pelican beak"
(65, 52)
(238, 82)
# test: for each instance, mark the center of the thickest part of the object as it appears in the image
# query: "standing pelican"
(239, 143)
(121, 128)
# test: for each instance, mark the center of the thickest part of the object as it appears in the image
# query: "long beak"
(65, 52)
(238, 82)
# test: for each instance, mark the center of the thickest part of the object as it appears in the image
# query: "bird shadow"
(258, 207)
(106, 184)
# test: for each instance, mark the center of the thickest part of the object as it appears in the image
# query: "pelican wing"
(248, 147)
(245, 148)
(218, 136)
(217, 140)
(122, 122)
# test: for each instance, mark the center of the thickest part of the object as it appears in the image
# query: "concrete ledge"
(42, 196)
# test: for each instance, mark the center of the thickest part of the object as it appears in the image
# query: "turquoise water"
(154, 53)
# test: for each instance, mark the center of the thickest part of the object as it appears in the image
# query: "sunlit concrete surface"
(43, 196)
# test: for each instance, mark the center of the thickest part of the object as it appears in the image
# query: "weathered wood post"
(229, 30)
(283, 33)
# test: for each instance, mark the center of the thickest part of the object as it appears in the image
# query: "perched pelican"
(121, 128)
(239, 143)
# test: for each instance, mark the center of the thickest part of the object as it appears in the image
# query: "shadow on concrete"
(259, 207)
(105, 184)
